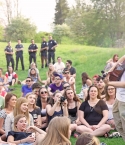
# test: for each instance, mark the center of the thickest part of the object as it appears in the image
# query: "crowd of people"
(50, 111)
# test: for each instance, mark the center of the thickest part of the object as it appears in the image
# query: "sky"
(41, 12)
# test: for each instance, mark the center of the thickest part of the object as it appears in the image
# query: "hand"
(57, 101)
(106, 79)
(94, 127)
(52, 48)
(65, 103)
(30, 139)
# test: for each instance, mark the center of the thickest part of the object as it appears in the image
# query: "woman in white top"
(110, 99)
(21, 107)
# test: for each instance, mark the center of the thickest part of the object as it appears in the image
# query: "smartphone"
(33, 134)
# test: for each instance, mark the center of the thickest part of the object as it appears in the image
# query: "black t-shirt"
(8, 49)
(93, 115)
(35, 113)
(38, 102)
(72, 71)
(51, 43)
(32, 47)
(18, 135)
(18, 46)
(43, 45)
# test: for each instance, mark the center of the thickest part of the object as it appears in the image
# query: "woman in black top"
(93, 114)
(73, 104)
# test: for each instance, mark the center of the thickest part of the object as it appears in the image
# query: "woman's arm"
(51, 109)
(118, 62)
(1, 125)
(88, 82)
(8, 123)
(81, 118)
(65, 109)
(29, 139)
(104, 119)
(40, 131)
(39, 122)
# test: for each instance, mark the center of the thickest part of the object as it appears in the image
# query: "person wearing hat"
(57, 85)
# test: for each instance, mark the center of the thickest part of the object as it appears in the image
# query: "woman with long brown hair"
(73, 105)
(86, 82)
(10, 102)
(21, 107)
(110, 95)
(93, 114)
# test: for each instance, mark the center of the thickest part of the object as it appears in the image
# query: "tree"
(20, 28)
(61, 30)
(61, 11)
(1, 32)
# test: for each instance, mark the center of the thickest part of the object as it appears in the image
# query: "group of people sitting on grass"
(50, 111)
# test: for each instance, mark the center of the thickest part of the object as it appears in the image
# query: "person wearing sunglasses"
(68, 78)
(43, 100)
(57, 85)
(27, 88)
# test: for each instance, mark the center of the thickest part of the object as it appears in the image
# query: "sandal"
(76, 134)
(115, 134)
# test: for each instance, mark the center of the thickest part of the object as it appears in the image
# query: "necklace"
(91, 109)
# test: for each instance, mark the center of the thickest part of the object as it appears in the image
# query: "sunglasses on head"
(28, 80)
(57, 79)
(45, 92)
(66, 87)
(66, 72)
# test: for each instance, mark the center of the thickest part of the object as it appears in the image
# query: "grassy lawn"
(85, 59)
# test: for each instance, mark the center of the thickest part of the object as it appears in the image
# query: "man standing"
(32, 51)
(52, 44)
(59, 65)
(43, 53)
(71, 69)
(9, 55)
(19, 54)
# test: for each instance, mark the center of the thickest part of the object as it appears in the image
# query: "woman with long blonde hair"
(58, 132)
(33, 109)
(21, 107)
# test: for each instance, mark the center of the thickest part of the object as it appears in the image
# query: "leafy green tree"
(60, 31)
(20, 28)
(1, 32)
(61, 11)
(38, 37)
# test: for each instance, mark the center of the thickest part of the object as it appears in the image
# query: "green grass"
(85, 59)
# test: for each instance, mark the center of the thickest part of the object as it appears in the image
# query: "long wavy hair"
(85, 77)
(114, 60)
(106, 92)
(58, 132)
(88, 96)
(34, 105)
(8, 97)
(76, 98)
(17, 109)
(87, 139)
(16, 119)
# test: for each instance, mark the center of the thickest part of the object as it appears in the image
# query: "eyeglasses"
(66, 72)
(111, 89)
(28, 80)
(45, 92)
(66, 87)
(70, 93)
(57, 79)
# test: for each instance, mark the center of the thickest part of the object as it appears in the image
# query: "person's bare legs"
(83, 128)
(101, 130)
(73, 127)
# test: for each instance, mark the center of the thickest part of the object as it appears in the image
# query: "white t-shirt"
(59, 67)
(120, 92)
